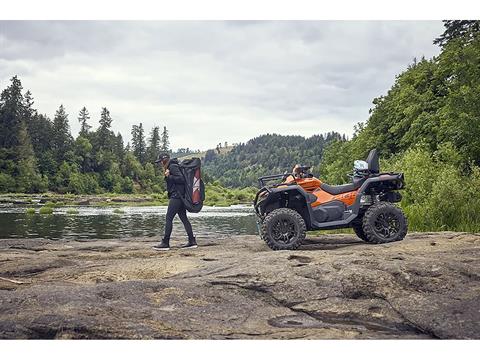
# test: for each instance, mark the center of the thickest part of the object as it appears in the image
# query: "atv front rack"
(262, 181)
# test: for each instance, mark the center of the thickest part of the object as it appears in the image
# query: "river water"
(103, 223)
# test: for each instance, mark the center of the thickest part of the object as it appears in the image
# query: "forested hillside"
(266, 155)
(428, 126)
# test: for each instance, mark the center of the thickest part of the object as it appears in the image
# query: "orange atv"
(301, 203)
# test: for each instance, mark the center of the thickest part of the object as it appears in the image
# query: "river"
(126, 222)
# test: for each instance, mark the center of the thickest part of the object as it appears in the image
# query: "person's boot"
(163, 246)
(192, 244)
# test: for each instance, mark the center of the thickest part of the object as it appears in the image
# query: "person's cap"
(162, 156)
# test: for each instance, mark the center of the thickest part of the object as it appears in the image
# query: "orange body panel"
(309, 184)
(347, 198)
(312, 185)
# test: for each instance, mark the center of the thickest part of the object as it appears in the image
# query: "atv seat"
(373, 169)
(340, 189)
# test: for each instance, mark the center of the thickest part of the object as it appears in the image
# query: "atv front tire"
(357, 227)
(383, 222)
(283, 229)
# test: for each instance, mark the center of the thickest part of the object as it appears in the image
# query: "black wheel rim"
(387, 225)
(283, 230)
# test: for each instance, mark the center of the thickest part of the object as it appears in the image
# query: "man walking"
(175, 189)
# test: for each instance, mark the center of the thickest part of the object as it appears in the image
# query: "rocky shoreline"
(333, 287)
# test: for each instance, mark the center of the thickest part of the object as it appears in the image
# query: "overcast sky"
(212, 82)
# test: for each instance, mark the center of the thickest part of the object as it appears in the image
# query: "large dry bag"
(194, 186)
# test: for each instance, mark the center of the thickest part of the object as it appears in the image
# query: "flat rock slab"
(333, 287)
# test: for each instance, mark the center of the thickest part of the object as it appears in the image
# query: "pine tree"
(83, 118)
(29, 111)
(11, 113)
(62, 141)
(119, 150)
(24, 148)
(153, 145)
(28, 177)
(105, 136)
(165, 141)
(105, 120)
(138, 143)
(455, 29)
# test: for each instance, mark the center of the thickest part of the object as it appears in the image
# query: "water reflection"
(103, 223)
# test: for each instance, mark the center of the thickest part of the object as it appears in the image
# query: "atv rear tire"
(383, 222)
(283, 229)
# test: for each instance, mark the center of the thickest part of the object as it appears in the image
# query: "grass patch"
(72, 211)
(30, 211)
(118, 211)
(46, 210)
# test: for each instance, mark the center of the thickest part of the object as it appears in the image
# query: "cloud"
(211, 81)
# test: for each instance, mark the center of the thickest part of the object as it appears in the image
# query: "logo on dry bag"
(196, 198)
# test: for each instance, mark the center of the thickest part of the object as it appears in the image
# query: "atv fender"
(291, 196)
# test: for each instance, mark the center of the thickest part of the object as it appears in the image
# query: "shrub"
(127, 185)
(45, 210)
(437, 195)
(83, 184)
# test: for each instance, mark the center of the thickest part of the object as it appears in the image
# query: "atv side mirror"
(360, 165)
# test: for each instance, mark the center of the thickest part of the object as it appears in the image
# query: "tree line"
(38, 154)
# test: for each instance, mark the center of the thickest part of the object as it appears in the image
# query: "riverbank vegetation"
(428, 126)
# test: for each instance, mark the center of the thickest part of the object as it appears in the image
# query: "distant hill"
(241, 165)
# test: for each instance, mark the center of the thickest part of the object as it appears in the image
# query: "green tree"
(62, 141)
(28, 178)
(104, 132)
(457, 29)
(11, 113)
(83, 154)
(132, 167)
(153, 148)
(83, 118)
(138, 143)
(165, 141)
